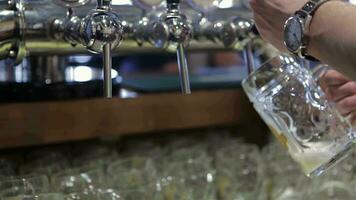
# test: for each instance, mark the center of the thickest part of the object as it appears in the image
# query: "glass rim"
(251, 85)
(261, 68)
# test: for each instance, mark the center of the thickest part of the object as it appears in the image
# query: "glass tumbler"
(24, 187)
(78, 183)
(187, 180)
(238, 172)
(132, 173)
(290, 101)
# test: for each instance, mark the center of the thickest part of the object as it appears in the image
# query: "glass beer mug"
(290, 101)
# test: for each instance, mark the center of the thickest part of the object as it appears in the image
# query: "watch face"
(293, 34)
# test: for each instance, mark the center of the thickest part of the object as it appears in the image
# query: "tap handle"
(248, 51)
(103, 33)
(107, 61)
(179, 33)
(107, 36)
(249, 57)
(107, 45)
(183, 69)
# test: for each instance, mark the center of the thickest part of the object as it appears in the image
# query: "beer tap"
(100, 32)
(249, 58)
(172, 32)
(248, 51)
(237, 33)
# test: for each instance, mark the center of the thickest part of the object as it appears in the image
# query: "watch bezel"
(287, 23)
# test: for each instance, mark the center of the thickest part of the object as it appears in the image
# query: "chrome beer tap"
(12, 25)
(234, 33)
(237, 33)
(170, 31)
(179, 35)
(249, 58)
(100, 32)
(248, 50)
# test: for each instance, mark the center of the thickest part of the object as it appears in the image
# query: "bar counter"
(24, 124)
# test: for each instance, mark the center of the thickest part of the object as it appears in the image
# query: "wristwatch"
(297, 27)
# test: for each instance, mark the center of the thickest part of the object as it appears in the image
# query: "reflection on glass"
(292, 104)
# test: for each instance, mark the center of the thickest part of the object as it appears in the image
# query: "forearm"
(333, 36)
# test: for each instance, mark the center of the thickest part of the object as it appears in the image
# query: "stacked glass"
(179, 168)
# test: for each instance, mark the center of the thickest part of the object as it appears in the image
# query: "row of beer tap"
(102, 30)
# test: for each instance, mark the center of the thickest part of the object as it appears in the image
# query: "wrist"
(319, 25)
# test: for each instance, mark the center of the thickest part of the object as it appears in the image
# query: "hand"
(341, 90)
(270, 17)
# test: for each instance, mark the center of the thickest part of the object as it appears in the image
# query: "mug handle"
(319, 71)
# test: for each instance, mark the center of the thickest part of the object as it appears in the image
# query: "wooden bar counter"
(23, 124)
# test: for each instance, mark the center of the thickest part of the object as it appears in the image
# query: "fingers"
(336, 93)
(346, 105)
(342, 91)
(269, 18)
(334, 78)
(266, 32)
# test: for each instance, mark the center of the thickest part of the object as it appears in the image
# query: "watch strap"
(310, 7)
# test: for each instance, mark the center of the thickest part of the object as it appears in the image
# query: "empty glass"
(238, 171)
(282, 178)
(79, 183)
(187, 180)
(292, 104)
(130, 176)
(330, 189)
(19, 188)
(108, 194)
